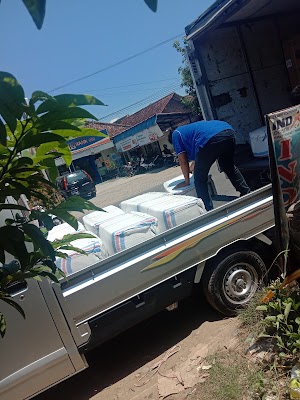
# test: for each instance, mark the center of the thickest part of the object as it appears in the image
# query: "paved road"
(114, 191)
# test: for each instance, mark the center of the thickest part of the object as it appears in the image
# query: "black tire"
(230, 282)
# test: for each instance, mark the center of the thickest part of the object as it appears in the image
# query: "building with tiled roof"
(112, 129)
(169, 104)
(149, 125)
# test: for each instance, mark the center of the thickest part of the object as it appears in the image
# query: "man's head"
(170, 137)
(165, 146)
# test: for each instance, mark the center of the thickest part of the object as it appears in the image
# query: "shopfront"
(148, 137)
(96, 155)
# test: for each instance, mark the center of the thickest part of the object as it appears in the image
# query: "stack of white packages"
(59, 231)
(93, 220)
(173, 210)
(74, 262)
(134, 203)
(126, 230)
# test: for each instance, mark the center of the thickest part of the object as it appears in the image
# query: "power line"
(153, 97)
(132, 91)
(132, 84)
(117, 63)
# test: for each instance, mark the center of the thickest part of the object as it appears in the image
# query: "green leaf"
(75, 203)
(11, 99)
(67, 100)
(30, 141)
(66, 114)
(262, 308)
(59, 125)
(279, 341)
(65, 216)
(12, 240)
(12, 207)
(3, 134)
(271, 318)
(51, 168)
(36, 179)
(39, 240)
(76, 134)
(36, 9)
(71, 237)
(297, 320)
(73, 248)
(287, 310)
(39, 95)
(60, 147)
(2, 256)
(152, 4)
(22, 162)
(2, 324)
(14, 304)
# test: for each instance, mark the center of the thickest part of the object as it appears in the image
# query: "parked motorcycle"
(171, 160)
(145, 164)
(130, 169)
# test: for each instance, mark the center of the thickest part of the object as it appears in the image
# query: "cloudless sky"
(80, 37)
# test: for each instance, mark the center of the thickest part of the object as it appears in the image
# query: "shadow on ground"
(128, 352)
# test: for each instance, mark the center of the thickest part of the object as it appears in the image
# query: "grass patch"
(231, 377)
(240, 374)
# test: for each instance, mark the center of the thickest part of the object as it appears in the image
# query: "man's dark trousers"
(220, 147)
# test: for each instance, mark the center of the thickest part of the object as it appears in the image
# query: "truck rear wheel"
(230, 282)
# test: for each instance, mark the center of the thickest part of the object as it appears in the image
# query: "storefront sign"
(285, 134)
(84, 143)
(146, 136)
(284, 150)
(127, 144)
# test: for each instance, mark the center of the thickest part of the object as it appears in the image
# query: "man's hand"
(181, 185)
(192, 167)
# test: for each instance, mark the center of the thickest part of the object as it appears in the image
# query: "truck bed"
(103, 286)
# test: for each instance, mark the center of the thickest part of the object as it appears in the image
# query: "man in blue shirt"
(204, 142)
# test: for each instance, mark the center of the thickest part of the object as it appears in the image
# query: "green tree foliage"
(191, 99)
(32, 135)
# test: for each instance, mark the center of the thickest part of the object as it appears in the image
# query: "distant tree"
(190, 100)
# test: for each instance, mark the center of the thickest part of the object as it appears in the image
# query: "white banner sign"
(142, 138)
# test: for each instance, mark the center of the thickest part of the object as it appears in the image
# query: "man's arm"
(185, 168)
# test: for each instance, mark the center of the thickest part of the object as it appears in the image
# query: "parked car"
(78, 183)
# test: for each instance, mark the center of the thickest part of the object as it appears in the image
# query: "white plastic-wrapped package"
(59, 231)
(126, 230)
(189, 190)
(75, 261)
(134, 203)
(186, 190)
(93, 220)
(173, 210)
(259, 142)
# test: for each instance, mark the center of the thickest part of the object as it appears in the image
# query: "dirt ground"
(126, 368)
(116, 368)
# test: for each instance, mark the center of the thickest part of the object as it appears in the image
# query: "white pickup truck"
(224, 252)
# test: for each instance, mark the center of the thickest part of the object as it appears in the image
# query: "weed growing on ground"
(281, 321)
(231, 377)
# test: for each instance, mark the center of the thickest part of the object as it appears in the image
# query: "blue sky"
(80, 37)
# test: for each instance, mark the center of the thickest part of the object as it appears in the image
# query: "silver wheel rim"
(240, 283)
